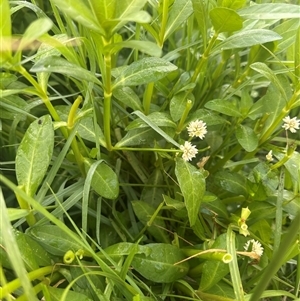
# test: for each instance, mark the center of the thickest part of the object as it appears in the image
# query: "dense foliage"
(149, 150)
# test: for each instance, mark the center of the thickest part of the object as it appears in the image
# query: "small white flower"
(291, 124)
(269, 156)
(197, 128)
(189, 151)
(256, 247)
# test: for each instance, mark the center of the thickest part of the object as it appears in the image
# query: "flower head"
(197, 128)
(256, 247)
(291, 124)
(269, 156)
(189, 151)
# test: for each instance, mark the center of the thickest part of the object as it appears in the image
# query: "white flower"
(291, 124)
(269, 156)
(189, 151)
(256, 247)
(197, 128)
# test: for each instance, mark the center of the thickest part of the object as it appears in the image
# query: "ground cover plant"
(149, 150)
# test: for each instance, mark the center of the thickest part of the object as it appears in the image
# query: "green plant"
(149, 150)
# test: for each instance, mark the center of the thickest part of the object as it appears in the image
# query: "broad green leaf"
(53, 239)
(144, 71)
(104, 179)
(263, 69)
(177, 106)
(232, 182)
(5, 31)
(78, 11)
(224, 106)
(86, 131)
(34, 154)
(156, 128)
(160, 266)
(192, 185)
(34, 31)
(208, 116)
(225, 19)
(152, 193)
(57, 293)
(158, 118)
(128, 97)
(180, 11)
(123, 249)
(233, 4)
(137, 137)
(247, 138)
(15, 105)
(144, 46)
(144, 213)
(60, 65)
(274, 11)
(247, 38)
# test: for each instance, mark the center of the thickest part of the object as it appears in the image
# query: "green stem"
(107, 98)
(30, 218)
(204, 57)
(278, 219)
(147, 98)
(187, 109)
(15, 284)
(163, 22)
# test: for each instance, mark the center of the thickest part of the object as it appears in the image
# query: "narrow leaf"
(192, 185)
(60, 65)
(248, 38)
(273, 11)
(5, 31)
(232, 182)
(128, 97)
(223, 106)
(144, 71)
(78, 11)
(181, 10)
(34, 154)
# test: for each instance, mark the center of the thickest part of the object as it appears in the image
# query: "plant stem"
(163, 22)
(147, 98)
(278, 219)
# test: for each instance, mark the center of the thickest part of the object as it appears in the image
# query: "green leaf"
(247, 138)
(233, 4)
(263, 69)
(160, 266)
(148, 47)
(158, 118)
(34, 31)
(232, 182)
(34, 154)
(144, 213)
(180, 11)
(225, 19)
(208, 116)
(128, 97)
(192, 185)
(273, 11)
(15, 214)
(60, 65)
(78, 11)
(177, 106)
(201, 14)
(5, 31)
(104, 180)
(137, 137)
(224, 106)
(144, 71)
(53, 239)
(247, 38)
(57, 293)
(156, 128)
